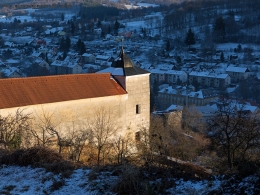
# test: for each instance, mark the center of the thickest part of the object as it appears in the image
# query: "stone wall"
(138, 89)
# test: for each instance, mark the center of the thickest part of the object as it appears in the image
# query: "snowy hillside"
(27, 181)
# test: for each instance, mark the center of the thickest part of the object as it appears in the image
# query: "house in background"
(70, 65)
(157, 75)
(184, 96)
(102, 60)
(42, 63)
(174, 76)
(88, 58)
(164, 73)
(209, 79)
(237, 73)
(9, 44)
(11, 72)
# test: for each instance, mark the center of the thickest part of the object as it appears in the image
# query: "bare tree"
(76, 141)
(104, 127)
(234, 133)
(120, 148)
(14, 130)
(44, 128)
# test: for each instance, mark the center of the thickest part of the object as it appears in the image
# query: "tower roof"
(124, 62)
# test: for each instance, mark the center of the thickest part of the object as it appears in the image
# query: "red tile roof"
(18, 92)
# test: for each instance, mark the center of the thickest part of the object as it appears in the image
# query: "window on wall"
(137, 109)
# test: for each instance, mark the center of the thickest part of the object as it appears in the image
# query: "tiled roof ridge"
(61, 75)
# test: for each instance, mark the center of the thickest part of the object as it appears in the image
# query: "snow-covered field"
(28, 181)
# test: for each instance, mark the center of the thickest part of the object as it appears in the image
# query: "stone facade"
(75, 115)
(138, 102)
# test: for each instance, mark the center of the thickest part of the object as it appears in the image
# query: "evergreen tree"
(67, 43)
(239, 48)
(109, 29)
(62, 16)
(179, 82)
(7, 53)
(190, 39)
(64, 55)
(99, 24)
(222, 59)
(82, 48)
(168, 45)
(103, 33)
(78, 45)
(219, 30)
(196, 84)
(155, 88)
(46, 58)
(144, 31)
(116, 26)
(62, 44)
(72, 26)
(178, 59)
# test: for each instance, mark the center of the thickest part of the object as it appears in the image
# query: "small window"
(137, 109)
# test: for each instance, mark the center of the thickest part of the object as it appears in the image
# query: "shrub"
(38, 157)
(129, 182)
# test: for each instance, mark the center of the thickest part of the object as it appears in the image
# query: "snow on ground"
(27, 181)
(68, 15)
(231, 46)
(21, 18)
(139, 5)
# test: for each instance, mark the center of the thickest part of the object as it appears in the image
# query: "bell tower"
(136, 82)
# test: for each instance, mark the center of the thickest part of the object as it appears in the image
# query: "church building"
(123, 89)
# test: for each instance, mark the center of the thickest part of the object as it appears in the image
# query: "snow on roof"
(258, 75)
(38, 61)
(146, 66)
(113, 71)
(36, 54)
(157, 71)
(71, 64)
(1, 62)
(185, 91)
(197, 94)
(174, 107)
(208, 74)
(250, 108)
(165, 67)
(12, 61)
(90, 65)
(87, 55)
(102, 57)
(57, 63)
(8, 43)
(231, 89)
(236, 69)
(222, 76)
(207, 109)
(10, 70)
(176, 72)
